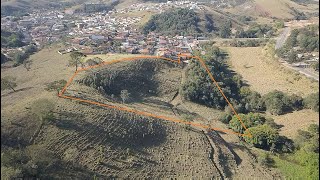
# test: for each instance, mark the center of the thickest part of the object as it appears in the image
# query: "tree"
(43, 109)
(274, 102)
(19, 57)
(312, 101)
(56, 85)
(75, 59)
(249, 120)
(263, 136)
(31, 49)
(225, 30)
(125, 95)
(8, 82)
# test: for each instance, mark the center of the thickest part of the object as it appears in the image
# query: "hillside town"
(102, 32)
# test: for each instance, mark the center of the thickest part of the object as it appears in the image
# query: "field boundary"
(127, 109)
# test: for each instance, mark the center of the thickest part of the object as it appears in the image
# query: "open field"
(265, 74)
(296, 120)
(271, 8)
(109, 57)
(111, 143)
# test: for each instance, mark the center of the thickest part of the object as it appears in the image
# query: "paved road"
(280, 42)
(308, 72)
(282, 38)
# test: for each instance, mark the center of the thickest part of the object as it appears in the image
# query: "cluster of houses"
(160, 7)
(102, 32)
(133, 42)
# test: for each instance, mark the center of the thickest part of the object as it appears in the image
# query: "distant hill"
(179, 21)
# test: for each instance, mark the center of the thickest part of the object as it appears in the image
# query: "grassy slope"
(296, 120)
(265, 74)
(277, 8)
(289, 169)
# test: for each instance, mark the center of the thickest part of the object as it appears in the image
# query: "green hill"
(179, 21)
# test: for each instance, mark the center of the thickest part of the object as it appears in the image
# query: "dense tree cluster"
(11, 39)
(198, 86)
(20, 57)
(255, 31)
(173, 22)
(277, 102)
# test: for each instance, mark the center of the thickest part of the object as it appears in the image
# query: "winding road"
(280, 42)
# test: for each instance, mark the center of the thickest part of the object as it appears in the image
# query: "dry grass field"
(265, 74)
(272, 8)
(109, 57)
(296, 120)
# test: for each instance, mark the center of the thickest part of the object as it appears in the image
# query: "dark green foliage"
(172, 22)
(278, 102)
(263, 136)
(19, 57)
(284, 145)
(76, 59)
(247, 43)
(292, 57)
(312, 101)
(11, 39)
(255, 31)
(225, 30)
(198, 86)
(249, 120)
(252, 100)
(30, 50)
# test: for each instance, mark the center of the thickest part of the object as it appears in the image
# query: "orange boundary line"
(147, 113)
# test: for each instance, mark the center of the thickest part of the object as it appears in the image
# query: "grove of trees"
(174, 22)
